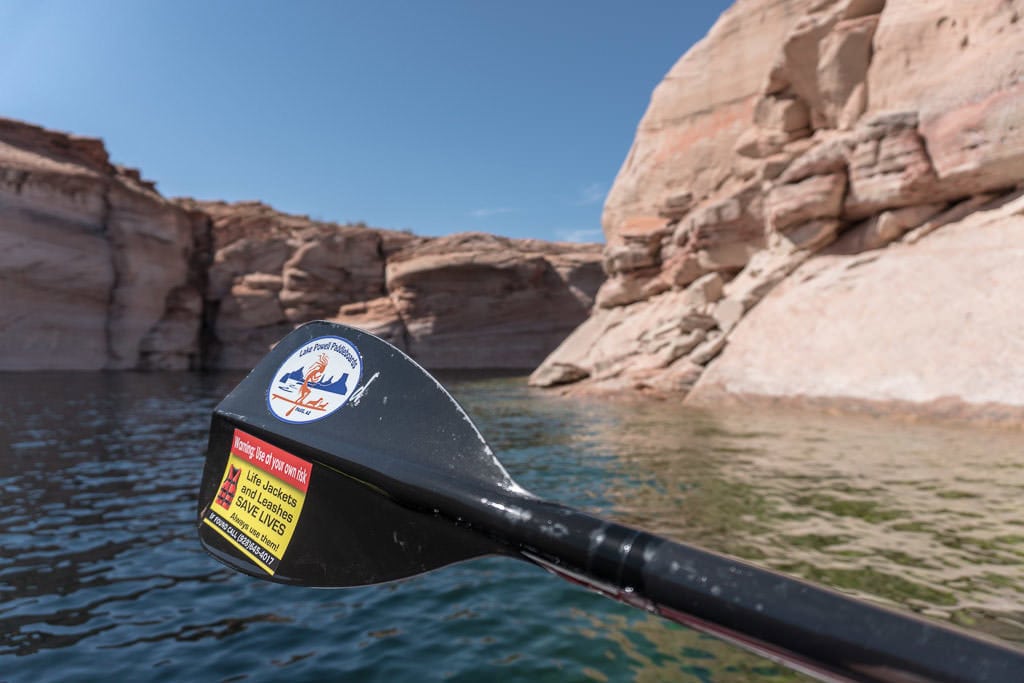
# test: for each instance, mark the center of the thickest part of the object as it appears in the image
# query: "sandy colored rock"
(272, 271)
(878, 125)
(377, 316)
(94, 264)
(725, 230)
(705, 290)
(466, 301)
(819, 196)
(936, 320)
(686, 137)
(709, 349)
(476, 300)
(889, 167)
(879, 230)
(845, 54)
(959, 66)
(813, 234)
(727, 313)
(101, 272)
(622, 346)
(824, 60)
(554, 374)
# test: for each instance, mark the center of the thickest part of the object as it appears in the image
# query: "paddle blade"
(318, 460)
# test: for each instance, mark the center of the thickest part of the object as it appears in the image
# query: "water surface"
(101, 575)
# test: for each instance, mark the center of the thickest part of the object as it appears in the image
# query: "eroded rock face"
(479, 301)
(464, 301)
(935, 323)
(861, 124)
(99, 271)
(684, 144)
(95, 266)
(272, 271)
(959, 66)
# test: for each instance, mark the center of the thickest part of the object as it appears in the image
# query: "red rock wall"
(94, 263)
(464, 301)
(98, 271)
(829, 127)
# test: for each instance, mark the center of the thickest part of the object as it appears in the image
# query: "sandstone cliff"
(99, 271)
(463, 301)
(805, 132)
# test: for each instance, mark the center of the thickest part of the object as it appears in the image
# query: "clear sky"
(437, 116)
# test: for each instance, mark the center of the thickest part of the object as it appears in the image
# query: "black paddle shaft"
(820, 631)
(338, 461)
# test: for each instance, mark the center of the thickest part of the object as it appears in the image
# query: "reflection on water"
(921, 516)
(101, 575)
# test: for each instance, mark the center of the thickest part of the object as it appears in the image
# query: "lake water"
(102, 576)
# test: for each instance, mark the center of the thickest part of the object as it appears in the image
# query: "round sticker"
(317, 379)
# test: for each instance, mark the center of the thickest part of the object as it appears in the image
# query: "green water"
(926, 516)
(102, 578)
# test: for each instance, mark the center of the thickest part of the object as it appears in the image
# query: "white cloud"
(592, 235)
(593, 193)
(485, 213)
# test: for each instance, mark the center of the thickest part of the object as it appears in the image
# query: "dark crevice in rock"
(112, 246)
(403, 336)
(199, 273)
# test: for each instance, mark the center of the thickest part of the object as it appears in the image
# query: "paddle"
(338, 461)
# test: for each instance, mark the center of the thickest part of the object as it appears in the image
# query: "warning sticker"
(260, 499)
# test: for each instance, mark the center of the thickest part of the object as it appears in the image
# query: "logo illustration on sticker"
(316, 380)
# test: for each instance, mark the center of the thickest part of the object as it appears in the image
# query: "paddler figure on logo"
(314, 374)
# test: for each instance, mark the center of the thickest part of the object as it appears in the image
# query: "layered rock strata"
(480, 301)
(99, 271)
(463, 301)
(271, 271)
(930, 308)
(798, 131)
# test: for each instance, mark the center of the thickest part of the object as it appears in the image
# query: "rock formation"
(480, 301)
(464, 301)
(99, 271)
(271, 271)
(933, 325)
(797, 133)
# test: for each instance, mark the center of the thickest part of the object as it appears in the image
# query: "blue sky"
(437, 117)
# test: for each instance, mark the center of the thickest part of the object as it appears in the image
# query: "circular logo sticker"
(317, 379)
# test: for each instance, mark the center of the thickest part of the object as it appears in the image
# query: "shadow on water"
(101, 575)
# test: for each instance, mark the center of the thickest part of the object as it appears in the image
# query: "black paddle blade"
(315, 460)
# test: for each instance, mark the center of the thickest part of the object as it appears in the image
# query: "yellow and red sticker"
(260, 498)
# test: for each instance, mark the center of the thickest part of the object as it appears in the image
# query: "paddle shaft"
(819, 631)
(402, 482)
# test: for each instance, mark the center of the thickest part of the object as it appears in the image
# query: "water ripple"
(102, 577)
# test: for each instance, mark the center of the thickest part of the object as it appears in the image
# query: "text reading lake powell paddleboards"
(260, 499)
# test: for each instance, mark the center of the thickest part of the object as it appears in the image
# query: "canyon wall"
(99, 271)
(469, 300)
(875, 146)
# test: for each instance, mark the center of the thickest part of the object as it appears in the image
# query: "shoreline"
(945, 411)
